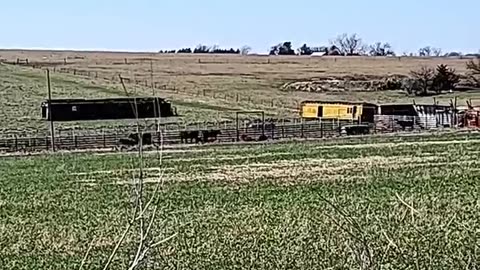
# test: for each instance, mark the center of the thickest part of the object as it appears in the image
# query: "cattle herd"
(194, 136)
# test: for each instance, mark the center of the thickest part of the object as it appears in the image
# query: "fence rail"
(108, 140)
(228, 133)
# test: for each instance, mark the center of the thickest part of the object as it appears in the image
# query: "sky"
(149, 25)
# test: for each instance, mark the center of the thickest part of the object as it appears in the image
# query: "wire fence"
(63, 68)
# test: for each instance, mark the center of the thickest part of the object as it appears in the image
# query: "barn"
(64, 110)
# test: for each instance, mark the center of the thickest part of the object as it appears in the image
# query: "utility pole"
(52, 127)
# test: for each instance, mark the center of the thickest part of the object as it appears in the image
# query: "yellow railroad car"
(351, 111)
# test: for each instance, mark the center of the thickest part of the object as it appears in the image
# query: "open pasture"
(365, 203)
(203, 87)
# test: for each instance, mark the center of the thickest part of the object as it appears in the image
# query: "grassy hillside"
(403, 203)
(208, 87)
(23, 89)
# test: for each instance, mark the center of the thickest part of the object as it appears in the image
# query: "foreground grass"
(408, 203)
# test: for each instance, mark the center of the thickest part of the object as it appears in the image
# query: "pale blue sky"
(148, 25)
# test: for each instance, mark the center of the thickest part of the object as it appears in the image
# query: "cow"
(186, 136)
(134, 139)
(207, 134)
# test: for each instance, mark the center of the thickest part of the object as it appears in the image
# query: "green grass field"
(371, 203)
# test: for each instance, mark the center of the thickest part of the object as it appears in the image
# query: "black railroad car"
(64, 110)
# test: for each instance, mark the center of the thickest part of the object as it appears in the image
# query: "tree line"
(204, 49)
(353, 45)
(342, 45)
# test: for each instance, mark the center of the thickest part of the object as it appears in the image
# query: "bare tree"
(424, 78)
(473, 67)
(474, 72)
(245, 50)
(201, 49)
(381, 49)
(437, 52)
(429, 51)
(425, 51)
(349, 45)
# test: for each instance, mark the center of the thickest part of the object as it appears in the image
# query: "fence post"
(46, 143)
(237, 97)
(16, 143)
(321, 128)
(302, 135)
(203, 91)
(104, 142)
(75, 141)
(272, 126)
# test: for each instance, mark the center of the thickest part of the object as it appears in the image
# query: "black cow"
(207, 134)
(246, 138)
(186, 136)
(134, 139)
